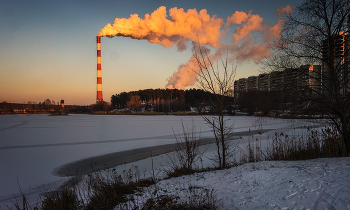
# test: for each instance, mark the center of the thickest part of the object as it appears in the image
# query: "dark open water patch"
(91, 164)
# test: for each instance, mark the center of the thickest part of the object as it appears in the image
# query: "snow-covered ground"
(31, 147)
(311, 184)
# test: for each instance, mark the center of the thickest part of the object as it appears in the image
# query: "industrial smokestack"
(99, 74)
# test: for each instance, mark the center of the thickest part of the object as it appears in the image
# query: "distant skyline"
(48, 48)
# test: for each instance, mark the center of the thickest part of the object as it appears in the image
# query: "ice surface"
(31, 146)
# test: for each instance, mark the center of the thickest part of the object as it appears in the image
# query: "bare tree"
(185, 158)
(216, 75)
(317, 33)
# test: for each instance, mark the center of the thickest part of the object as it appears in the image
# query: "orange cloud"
(250, 38)
(253, 23)
(186, 75)
(237, 18)
(285, 10)
(156, 28)
(250, 50)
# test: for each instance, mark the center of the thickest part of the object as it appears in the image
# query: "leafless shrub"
(217, 78)
(184, 160)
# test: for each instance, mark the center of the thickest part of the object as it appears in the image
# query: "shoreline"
(91, 164)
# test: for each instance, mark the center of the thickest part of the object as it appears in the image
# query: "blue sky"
(48, 48)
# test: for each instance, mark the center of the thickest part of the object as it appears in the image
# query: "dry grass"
(198, 199)
(312, 145)
(108, 190)
(62, 200)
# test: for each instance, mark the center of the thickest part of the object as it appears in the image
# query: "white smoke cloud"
(249, 41)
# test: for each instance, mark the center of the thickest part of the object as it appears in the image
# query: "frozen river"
(32, 146)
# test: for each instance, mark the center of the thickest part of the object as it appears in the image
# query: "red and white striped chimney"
(99, 74)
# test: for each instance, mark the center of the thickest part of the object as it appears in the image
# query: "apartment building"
(315, 79)
(264, 82)
(288, 81)
(252, 83)
(240, 86)
(276, 78)
(335, 52)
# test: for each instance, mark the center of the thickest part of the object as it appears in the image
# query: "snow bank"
(312, 184)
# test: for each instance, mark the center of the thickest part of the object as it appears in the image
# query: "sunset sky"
(48, 48)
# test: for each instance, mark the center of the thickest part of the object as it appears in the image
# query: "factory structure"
(99, 73)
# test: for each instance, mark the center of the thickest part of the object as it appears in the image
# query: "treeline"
(45, 107)
(272, 101)
(260, 101)
(30, 107)
(163, 100)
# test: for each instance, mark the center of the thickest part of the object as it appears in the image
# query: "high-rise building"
(335, 64)
(308, 79)
(235, 89)
(252, 83)
(264, 82)
(291, 81)
(240, 86)
(315, 79)
(276, 83)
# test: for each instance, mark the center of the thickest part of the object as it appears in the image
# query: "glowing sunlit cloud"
(285, 10)
(156, 28)
(249, 40)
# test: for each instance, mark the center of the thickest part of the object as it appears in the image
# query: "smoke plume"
(285, 10)
(249, 40)
(178, 29)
